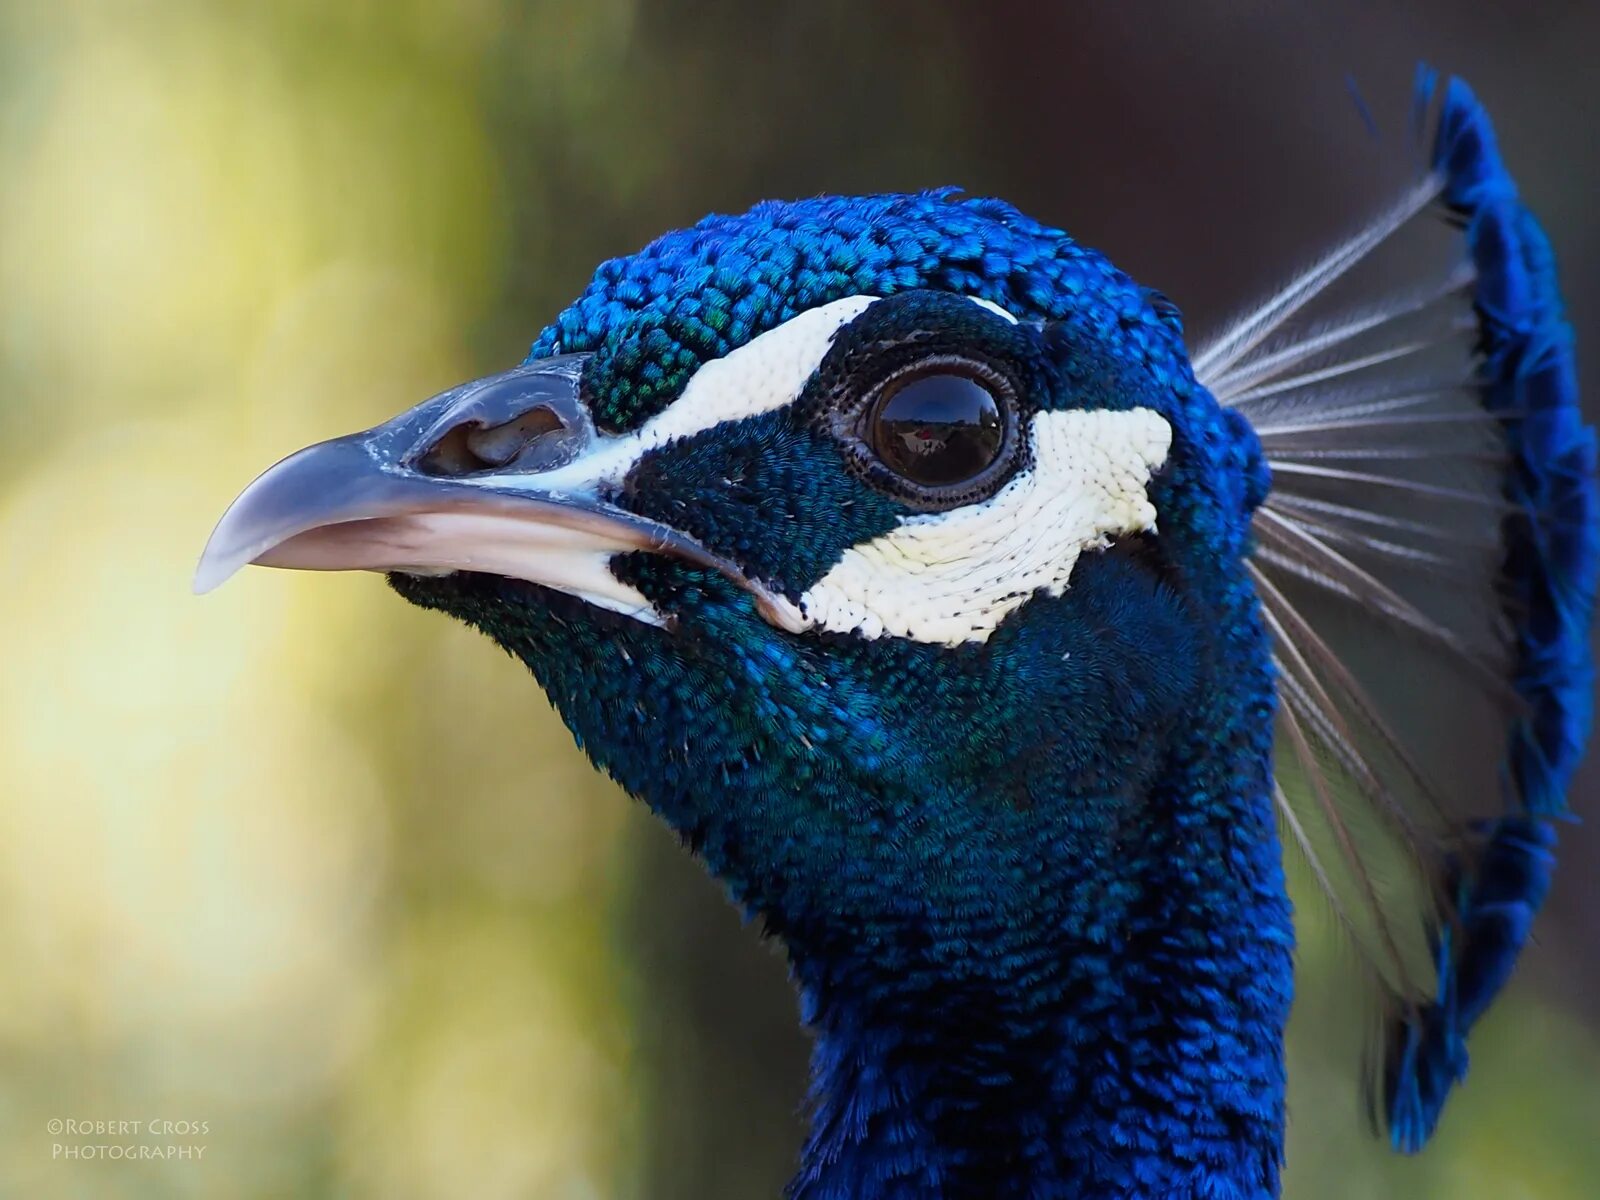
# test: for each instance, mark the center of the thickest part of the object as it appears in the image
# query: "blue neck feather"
(1111, 1026)
(1056, 961)
(1133, 1054)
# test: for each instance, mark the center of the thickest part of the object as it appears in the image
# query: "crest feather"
(1426, 563)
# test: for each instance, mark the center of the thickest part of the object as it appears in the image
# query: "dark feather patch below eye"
(811, 507)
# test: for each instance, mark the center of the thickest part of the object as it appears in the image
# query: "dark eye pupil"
(937, 429)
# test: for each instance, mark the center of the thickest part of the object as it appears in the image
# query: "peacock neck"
(1032, 897)
(1124, 1041)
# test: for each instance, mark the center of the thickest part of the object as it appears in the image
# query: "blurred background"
(325, 873)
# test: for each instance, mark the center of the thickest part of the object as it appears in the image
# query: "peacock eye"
(936, 428)
(929, 397)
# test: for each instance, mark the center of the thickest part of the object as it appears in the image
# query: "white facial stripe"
(766, 373)
(994, 308)
(952, 577)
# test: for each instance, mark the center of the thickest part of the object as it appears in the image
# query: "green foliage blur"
(324, 873)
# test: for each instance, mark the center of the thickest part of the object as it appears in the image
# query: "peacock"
(1002, 656)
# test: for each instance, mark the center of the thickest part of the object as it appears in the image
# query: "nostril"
(501, 444)
(470, 448)
(525, 421)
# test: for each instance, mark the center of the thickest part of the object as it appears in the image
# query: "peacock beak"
(503, 475)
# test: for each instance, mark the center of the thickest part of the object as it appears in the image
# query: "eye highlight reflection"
(937, 428)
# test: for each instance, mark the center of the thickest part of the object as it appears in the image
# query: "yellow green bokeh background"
(325, 872)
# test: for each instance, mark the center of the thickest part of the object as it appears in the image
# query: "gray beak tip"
(218, 563)
(282, 501)
(209, 576)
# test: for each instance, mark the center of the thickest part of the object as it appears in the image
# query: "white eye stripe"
(952, 577)
(995, 309)
(765, 374)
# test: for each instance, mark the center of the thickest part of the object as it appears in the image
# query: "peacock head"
(885, 546)
(888, 548)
